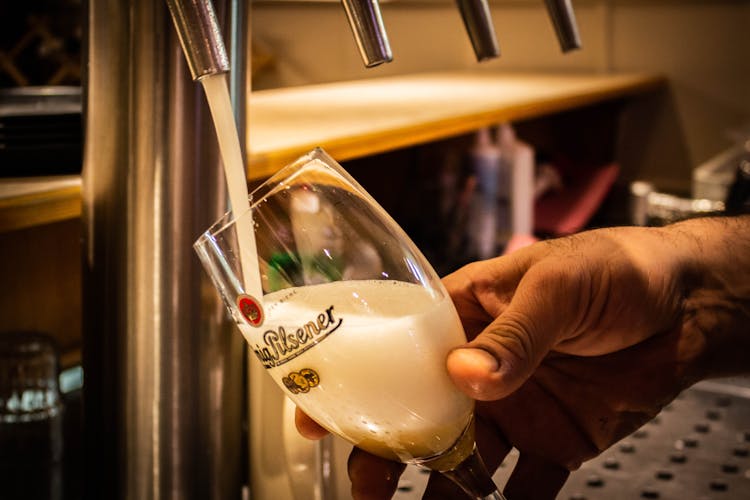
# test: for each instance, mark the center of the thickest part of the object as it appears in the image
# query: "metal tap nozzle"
(564, 20)
(369, 31)
(200, 37)
(478, 22)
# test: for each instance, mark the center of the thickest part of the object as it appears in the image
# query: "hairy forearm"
(714, 262)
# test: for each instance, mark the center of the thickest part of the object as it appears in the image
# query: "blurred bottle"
(485, 211)
(522, 189)
(31, 417)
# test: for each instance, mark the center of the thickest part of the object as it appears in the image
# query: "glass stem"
(472, 476)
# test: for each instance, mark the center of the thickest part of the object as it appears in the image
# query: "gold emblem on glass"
(301, 381)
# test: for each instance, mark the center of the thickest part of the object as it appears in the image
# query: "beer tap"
(200, 36)
(564, 20)
(369, 32)
(478, 22)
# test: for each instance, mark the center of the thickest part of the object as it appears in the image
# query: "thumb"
(545, 307)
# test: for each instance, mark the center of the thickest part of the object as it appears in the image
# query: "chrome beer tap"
(564, 20)
(478, 23)
(369, 32)
(200, 37)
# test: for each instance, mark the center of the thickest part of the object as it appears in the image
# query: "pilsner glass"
(353, 324)
(31, 417)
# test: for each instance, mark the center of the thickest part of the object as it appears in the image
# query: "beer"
(366, 360)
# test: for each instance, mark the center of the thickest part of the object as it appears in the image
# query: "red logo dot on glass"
(250, 309)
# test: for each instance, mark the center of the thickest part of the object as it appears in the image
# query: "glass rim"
(270, 185)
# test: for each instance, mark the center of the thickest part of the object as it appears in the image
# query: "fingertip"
(308, 427)
(476, 372)
(439, 487)
(373, 478)
(473, 360)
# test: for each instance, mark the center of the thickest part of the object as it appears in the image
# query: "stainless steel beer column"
(163, 369)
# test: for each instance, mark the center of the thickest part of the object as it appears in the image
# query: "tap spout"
(367, 25)
(478, 22)
(564, 20)
(200, 37)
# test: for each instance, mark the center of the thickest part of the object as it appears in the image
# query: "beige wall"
(702, 46)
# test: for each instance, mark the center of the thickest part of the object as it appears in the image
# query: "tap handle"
(478, 22)
(564, 20)
(369, 31)
(200, 37)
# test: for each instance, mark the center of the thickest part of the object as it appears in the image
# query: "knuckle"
(513, 337)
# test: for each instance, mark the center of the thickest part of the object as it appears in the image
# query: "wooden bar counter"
(359, 118)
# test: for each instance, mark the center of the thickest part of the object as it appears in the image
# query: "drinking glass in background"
(354, 325)
(31, 417)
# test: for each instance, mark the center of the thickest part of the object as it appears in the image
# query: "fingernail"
(474, 371)
(479, 359)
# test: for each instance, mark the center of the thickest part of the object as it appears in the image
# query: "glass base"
(462, 464)
(472, 476)
(457, 453)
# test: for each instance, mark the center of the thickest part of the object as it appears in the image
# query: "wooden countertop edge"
(266, 164)
(58, 204)
(44, 207)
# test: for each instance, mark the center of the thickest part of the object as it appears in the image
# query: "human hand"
(574, 343)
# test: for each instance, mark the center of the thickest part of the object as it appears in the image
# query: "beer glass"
(353, 323)
(31, 417)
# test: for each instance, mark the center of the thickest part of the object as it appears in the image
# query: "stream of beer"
(217, 94)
